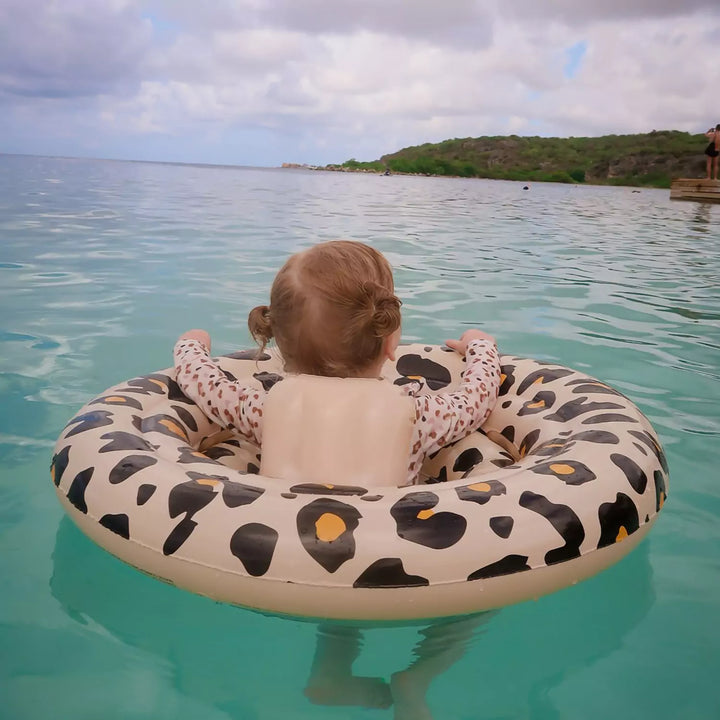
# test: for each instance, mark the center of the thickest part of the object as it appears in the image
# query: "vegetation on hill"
(651, 159)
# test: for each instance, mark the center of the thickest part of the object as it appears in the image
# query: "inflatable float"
(572, 481)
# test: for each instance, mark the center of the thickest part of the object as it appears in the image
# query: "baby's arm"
(447, 417)
(231, 405)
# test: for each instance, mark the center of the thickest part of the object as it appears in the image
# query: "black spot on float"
(579, 406)
(175, 393)
(248, 355)
(89, 421)
(481, 491)
(508, 433)
(436, 376)
(507, 378)
(59, 464)
(509, 565)
(117, 401)
(254, 545)
(552, 447)
(541, 377)
(633, 472)
(145, 492)
(267, 379)
(189, 455)
(179, 534)
(657, 450)
(216, 452)
(288, 496)
(235, 494)
(163, 424)
(617, 520)
(119, 524)
(76, 492)
(506, 404)
(318, 489)
(371, 498)
(120, 440)
(571, 472)
(467, 460)
(417, 522)
(325, 527)
(441, 477)
(528, 441)
(507, 461)
(502, 525)
(186, 417)
(388, 573)
(588, 387)
(155, 384)
(565, 522)
(596, 436)
(660, 490)
(541, 402)
(608, 418)
(188, 498)
(129, 466)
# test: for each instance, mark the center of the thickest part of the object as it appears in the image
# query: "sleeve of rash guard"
(230, 404)
(447, 417)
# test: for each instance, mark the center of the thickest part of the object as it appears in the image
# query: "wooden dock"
(696, 189)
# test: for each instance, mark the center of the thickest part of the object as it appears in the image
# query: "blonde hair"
(331, 308)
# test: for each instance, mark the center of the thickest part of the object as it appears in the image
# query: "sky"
(262, 82)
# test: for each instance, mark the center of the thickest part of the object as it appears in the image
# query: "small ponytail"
(386, 317)
(260, 326)
(381, 309)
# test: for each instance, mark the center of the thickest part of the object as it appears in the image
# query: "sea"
(104, 263)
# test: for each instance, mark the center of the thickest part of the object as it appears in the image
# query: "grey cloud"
(457, 22)
(73, 48)
(452, 22)
(573, 12)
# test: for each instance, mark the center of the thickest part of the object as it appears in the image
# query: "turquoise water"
(103, 264)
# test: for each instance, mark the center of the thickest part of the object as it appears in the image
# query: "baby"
(333, 313)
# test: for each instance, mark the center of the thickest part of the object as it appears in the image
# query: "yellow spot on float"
(425, 514)
(207, 481)
(480, 487)
(329, 527)
(662, 500)
(197, 453)
(539, 381)
(158, 383)
(115, 399)
(562, 469)
(622, 534)
(329, 487)
(503, 376)
(174, 428)
(538, 404)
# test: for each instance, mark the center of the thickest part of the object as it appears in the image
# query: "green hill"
(651, 159)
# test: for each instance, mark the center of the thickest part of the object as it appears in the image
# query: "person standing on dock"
(713, 151)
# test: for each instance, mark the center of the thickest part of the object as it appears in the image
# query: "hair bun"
(260, 325)
(386, 316)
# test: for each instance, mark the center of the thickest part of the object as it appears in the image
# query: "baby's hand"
(199, 335)
(468, 336)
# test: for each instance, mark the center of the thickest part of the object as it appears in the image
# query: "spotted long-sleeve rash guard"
(440, 419)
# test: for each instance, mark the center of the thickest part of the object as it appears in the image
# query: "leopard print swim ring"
(576, 482)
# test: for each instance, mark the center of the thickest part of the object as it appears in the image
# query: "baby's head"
(333, 310)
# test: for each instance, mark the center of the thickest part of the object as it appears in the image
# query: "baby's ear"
(390, 344)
